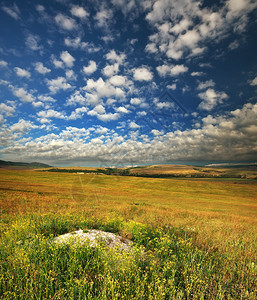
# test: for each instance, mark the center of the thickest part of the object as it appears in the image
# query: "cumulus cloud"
(254, 81)
(3, 64)
(133, 125)
(67, 59)
(77, 43)
(78, 113)
(184, 27)
(23, 126)
(22, 73)
(70, 75)
(111, 70)
(171, 70)
(23, 95)
(114, 57)
(228, 137)
(79, 12)
(76, 98)
(51, 113)
(211, 98)
(60, 83)
(65, 22)
(136, 101)
(57, 63)
(74, 43)
(206, 84)
(172, 86)
(91, 68)
(142, 74)
(100, 89)
(99, 112)
(39, 67)
(122, 109)
(32, 42)
(118, 80)
(7, 109)
(196, 74)
(103, 17)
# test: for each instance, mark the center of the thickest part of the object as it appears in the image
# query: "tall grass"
(191, 241)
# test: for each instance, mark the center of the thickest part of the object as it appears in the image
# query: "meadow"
(193, 238)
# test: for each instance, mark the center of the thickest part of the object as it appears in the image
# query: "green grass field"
(198, 237)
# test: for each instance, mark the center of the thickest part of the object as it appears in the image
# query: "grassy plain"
(199, 236)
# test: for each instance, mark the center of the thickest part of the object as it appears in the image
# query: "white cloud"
(142, 113)
(22, 126)
(136, 101)
(99, 109)
(171, 70)
(228, 137)
(157, 132)
(76, 98)
(111, 70)
(3, 64)
(151, 48)
(194, 74)
(254, 81)
(114, 57)
(57, 63)
(122, 109)
(70, 75)
(2, 120)
(108, 117)
(118, 80)
(103, 89)
(91, 68)
(79, 12)
(39, 67)
(99, 112)
(211, 98)
(22, 73)
(142, 74)
(51, 113)
(133, 125)
(163, 70)
(7, 110)
(178, 69)
(78, 113)
(131, 8)
(23, 94)
(13, 11)
(46, 98)
(40, 8)
(172, 86)
(206, 84)
(67, 59)
(32, 42)
(234, 45)
(184, 27)
(103, 17)
(57, 84)
(65, 22)
(74, 43)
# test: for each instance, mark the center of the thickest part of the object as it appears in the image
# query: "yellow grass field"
(215, 216)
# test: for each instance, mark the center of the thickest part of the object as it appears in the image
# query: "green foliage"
(164, 264)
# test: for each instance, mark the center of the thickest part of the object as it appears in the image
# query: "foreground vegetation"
(193, 239)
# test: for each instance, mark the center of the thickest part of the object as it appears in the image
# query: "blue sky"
(128, 82)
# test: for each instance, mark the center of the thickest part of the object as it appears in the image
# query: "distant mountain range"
(4, 163)
(233, 165)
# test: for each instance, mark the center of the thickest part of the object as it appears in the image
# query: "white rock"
(94, 237)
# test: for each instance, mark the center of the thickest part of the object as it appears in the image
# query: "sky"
(128, 82)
